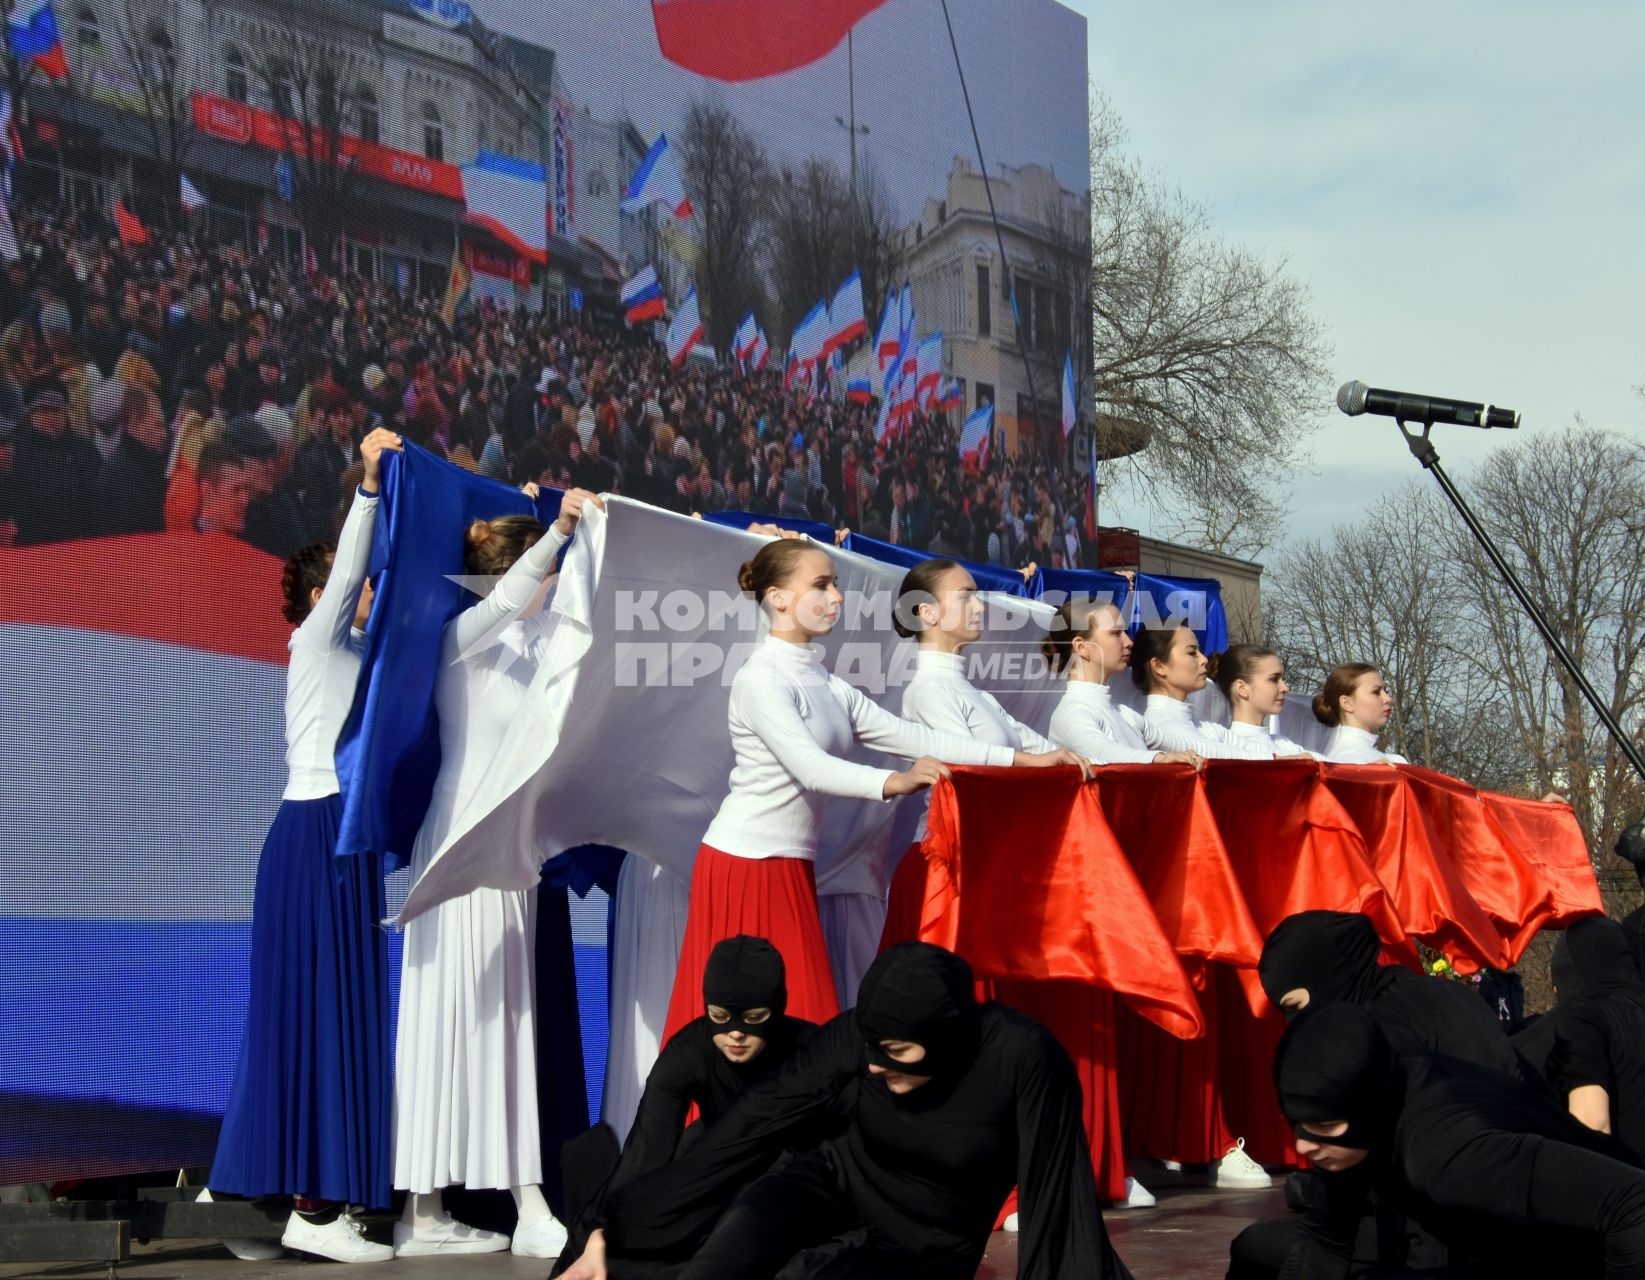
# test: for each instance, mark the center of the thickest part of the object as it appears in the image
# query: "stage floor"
(1184, 1238)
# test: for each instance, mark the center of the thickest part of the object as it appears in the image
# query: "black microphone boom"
(1355, 398)
(1423, 411)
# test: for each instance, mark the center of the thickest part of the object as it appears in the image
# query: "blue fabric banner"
(989, 577)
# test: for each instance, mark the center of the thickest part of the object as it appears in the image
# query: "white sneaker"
(544, 1238)
(247, 1250)
(342, 1239)
(1237, 1171)
(449, 1236)
(1012, 1222)
(1137, 1196)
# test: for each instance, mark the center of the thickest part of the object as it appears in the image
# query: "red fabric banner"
(749, 39)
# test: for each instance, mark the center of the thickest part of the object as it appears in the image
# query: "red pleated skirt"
(907, 900)
(1171, 1089)
(770, 898)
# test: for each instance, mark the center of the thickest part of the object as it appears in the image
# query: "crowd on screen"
(190, 384)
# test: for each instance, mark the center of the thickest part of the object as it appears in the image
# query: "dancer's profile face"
(811, 595)
(1184, 671)
(1370, 705)
(1266, 688)
(904, 1053)
(737, 1045)
(1314, 1144)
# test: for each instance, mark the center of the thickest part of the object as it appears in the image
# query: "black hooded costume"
(1334, 954)
(743, 974)
(1509, 1183)
(911, 1188)
(1599, 1025)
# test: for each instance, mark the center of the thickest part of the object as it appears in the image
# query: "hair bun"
(479, 533)
(1322, 710)
(745, 577)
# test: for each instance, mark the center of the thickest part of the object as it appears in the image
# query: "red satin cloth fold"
(1043, 891)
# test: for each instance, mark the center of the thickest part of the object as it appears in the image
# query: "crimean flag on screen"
(846, 321)
(685, 330)
(949, 398)
(31, 29)
(509, 198)
(657, 181)
(1070, 407)
(749, 39)
(760, 352)
(806, 345)
(189, 195)
(131, 228)
(888, 340)
(743, 341)
(930, 371)
(977, 435)
(642, 297)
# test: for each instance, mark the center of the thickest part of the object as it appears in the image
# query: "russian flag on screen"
(31, 27)
(643, 296)
(657, 181)
(749, 39)
(859, 391)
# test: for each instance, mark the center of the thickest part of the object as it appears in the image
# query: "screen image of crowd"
(190, 384)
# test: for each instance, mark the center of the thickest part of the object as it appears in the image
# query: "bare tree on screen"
(1207, 346)
(1568, 511)
(149, 44)
(811, 226)
(727, 177)
(314, 70)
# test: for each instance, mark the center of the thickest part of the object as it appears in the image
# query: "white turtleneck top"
(325, 661)
(792, 721)
(941, 697)
(1348, 745)
(1260, 738)
(1087, 720)
(1174, 727)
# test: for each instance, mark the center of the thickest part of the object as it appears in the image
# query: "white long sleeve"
(1348, 745)
(330, 622)
(1087, 721)
(511, 596)
(325, 661)
(1260, 738)
(941, 698)
(791, 726)
(1173, 727)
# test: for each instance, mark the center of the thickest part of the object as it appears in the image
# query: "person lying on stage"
(948, 1103)
(1252, 678)
(1506, 1181)
(1316, 958)
(1088, 643)
(1167, 665)
(1597, 1066)
(744, 1037)
(1356, 706)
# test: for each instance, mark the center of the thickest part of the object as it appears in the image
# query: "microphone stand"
(1422, 449)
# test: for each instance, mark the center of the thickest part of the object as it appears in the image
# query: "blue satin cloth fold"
(816, 530)
(388, 753)
(989, 577)
(1060, 584)
(1200, 598)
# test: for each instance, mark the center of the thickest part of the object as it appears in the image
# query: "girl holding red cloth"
(791, 723)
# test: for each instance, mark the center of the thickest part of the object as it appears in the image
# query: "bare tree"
(1208, 347)
(727, 177)
(147, 34)
(310, 67)
(811, 227)
(1565, 510)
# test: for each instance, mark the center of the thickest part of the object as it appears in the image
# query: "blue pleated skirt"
(309, 1111)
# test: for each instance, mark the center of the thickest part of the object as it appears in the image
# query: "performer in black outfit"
(709, 1063)
(1318, 957)
(948, 1104)
(1509, 1183)
(1597, 1065)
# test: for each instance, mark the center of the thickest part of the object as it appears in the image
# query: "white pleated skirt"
(465, 1054)
(652, 905)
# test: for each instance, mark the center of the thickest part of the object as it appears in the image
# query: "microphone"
(1355, 398)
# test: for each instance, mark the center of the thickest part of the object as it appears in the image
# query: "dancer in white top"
(1252, 678)
(791, 723)
(1167, 665)
(465, 1055)
(1089, 644)
(1355, 705)
(308, 1110)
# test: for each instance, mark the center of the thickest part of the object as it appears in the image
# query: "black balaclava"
(925, 995)
(1333, 1064)
(745, 973)
(1595, 957)
(1332, 953)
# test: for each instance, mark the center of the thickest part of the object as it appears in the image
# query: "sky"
(1460, 186)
